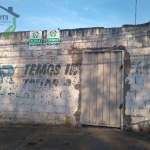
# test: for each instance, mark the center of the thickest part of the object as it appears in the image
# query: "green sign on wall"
(35, 40)
(53, 39)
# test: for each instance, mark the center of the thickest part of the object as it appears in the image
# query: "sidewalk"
(17, 137)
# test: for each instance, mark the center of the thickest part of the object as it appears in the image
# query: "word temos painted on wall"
(49, 69)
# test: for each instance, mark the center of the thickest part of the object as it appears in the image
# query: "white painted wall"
(33, 103)
(26, 98)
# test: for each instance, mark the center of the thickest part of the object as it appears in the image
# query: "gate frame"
(122, 80)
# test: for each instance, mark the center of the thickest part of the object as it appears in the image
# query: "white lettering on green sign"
(53, 40)
(35, 41)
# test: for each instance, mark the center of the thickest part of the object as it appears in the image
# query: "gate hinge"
(121, 106)
(121, 67)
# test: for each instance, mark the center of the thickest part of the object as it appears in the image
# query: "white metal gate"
(101, 89)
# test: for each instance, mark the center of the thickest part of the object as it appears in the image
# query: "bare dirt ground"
(18, 137)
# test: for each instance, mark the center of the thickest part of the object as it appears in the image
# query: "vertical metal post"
(135, 11)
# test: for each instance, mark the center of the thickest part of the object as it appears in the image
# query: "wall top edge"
(95, 28)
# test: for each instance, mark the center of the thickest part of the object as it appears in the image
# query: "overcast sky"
(69, 14)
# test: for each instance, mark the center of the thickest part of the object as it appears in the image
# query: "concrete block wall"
(36, 86)
(45, 86)
(138, 96)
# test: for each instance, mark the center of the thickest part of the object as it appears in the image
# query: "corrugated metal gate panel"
(86, 90)
(101, 89)
(100, 85)
(93, 87)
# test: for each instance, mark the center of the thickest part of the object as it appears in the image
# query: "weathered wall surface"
(37, 86)
(45, 86)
